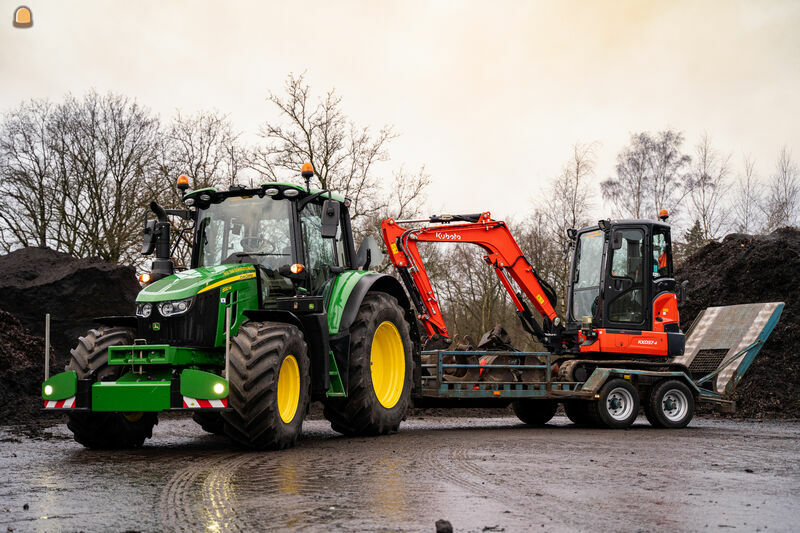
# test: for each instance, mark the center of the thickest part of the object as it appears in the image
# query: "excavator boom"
(503, 254)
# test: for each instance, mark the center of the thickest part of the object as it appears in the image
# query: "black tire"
(618, 405)
(105, 430)
(210, 422)
(670, 405)
(362, 413)
(579, 412)
(534, 412)
(257, 357)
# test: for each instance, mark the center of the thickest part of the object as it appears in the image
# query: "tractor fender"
(372, 282)
(274, 315)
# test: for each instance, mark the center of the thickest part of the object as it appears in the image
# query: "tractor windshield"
(588, 266)
(245, 230)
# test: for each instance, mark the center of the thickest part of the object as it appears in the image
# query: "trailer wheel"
(578, 411)
(105, 430)
(670, 405)
(379, 372)
(270, 386)
(618, 405)
(534, 412)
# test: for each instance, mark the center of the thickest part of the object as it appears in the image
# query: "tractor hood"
(195, 281)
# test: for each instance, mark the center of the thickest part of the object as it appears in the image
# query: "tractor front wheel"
(270, 385)
(105, 430)
(379, 377)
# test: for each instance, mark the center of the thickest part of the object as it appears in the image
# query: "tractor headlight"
(48, 390)
(177, 307)
(144, 310)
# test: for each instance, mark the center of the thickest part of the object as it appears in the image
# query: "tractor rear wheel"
(105, 430)
(379, 373)
(670, 405)
(534, 412)
(270, 385)
(618, 405)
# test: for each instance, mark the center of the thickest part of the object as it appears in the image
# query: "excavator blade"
(723, 341)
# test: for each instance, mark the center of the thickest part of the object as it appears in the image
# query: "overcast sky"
(489, 96)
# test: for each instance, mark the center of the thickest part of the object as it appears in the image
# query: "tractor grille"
(197, 327)
(707, 361)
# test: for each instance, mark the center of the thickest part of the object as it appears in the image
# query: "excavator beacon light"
(663, 214)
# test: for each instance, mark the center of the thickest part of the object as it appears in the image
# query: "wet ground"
(480, 474)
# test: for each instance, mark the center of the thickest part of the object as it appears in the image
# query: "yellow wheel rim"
(133, 417)
(288, 388)
(388, 363)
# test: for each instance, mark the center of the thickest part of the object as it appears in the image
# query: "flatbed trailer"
(728, 337)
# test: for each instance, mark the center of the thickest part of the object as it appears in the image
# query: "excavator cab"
(622, 284)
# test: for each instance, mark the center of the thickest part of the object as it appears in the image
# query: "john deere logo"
(23, 17)
(156, 326)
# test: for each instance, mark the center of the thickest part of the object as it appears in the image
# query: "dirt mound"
(21, 371)
(751, 269)
(36, 281)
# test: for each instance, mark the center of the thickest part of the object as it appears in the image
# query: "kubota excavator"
(622, 301)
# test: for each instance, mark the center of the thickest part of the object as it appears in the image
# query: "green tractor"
(278, 310)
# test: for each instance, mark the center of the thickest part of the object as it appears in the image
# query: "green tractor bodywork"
(172, 354)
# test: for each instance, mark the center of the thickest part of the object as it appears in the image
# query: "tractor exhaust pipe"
(157, 238)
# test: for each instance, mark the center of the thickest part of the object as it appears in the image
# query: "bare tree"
(28, 192)
(747, 199)
(650, 175)
(783, 195)
(569, 205)
(344, 155)
(708, 187)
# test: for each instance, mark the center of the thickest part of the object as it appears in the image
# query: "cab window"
(662, 253)
(320, 253)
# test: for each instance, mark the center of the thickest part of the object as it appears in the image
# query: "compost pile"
(36, 281)
(753, 269)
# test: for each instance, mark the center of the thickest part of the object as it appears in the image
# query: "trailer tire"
(270, 386)
(105, 430)
(377, 399)
(210, 422)
(578, 411)
(618, 405)
(670, 405)
(534, 412)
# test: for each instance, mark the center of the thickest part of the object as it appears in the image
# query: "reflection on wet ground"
(476, 473)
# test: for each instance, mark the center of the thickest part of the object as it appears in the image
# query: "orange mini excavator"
(622, 300)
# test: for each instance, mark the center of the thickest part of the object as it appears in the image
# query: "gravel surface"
(480, 474)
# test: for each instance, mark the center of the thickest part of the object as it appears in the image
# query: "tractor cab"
(297, 240)
(622, 279)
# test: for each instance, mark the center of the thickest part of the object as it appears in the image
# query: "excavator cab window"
(662, 253)
(587, 270)
(625, 287)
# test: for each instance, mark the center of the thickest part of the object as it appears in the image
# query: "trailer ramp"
(723, 341)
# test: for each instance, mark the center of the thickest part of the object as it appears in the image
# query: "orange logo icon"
(23, 17)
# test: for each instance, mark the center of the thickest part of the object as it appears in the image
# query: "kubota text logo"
(645, 341)
(448, 236)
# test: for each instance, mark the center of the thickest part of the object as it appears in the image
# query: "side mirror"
(330, 218)
(616, 240)
(682, 291)
(369, 253)
(149, 243)
(572, 233)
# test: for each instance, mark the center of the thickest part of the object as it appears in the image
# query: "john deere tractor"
(277, 310)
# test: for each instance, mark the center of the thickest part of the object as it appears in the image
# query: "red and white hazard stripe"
(194, 403)
(69, 403)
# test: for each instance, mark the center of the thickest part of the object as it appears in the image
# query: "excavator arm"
(503, 254)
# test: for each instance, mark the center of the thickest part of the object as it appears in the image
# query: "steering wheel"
(257, 245)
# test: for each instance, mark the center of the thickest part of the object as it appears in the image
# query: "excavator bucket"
(723, 341)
